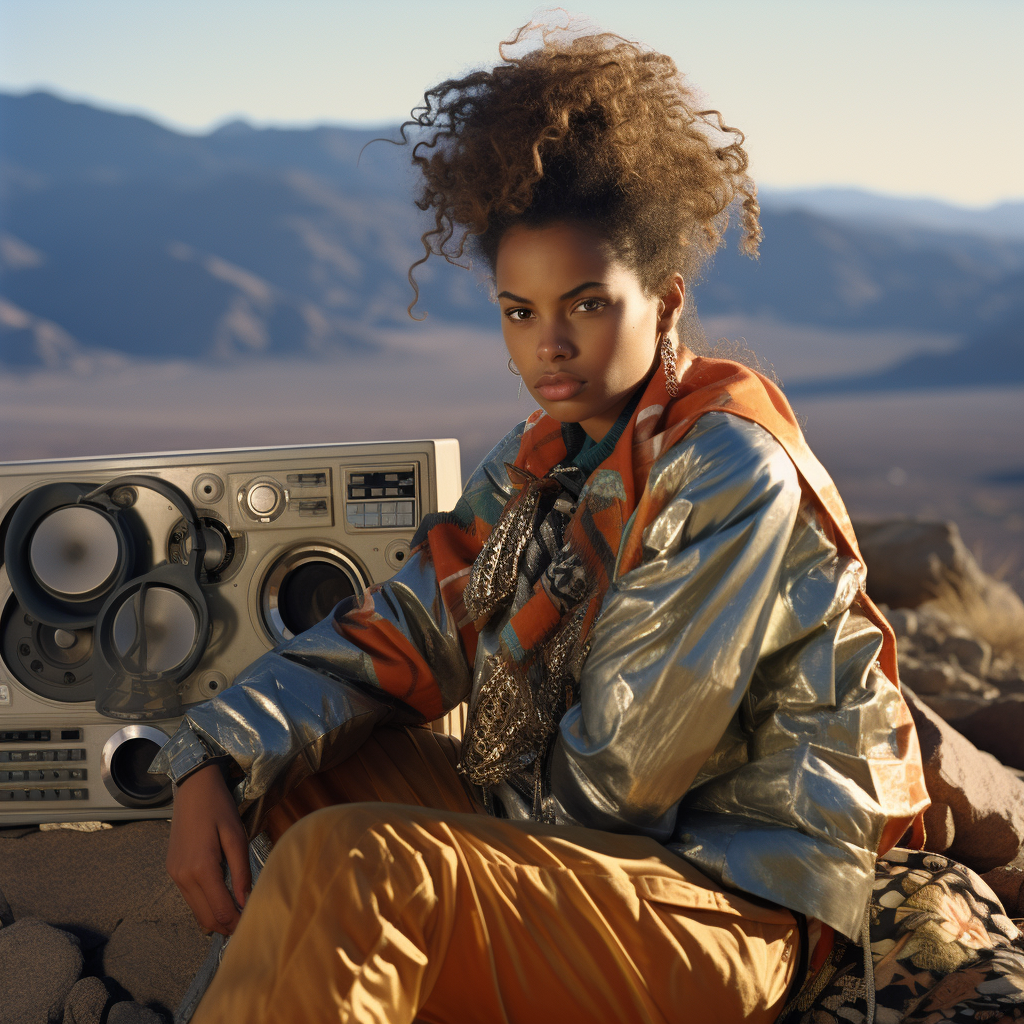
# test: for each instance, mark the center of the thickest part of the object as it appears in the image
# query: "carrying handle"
(173, 494)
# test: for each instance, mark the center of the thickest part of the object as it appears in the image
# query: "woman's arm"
(309, 704)
(394, 656)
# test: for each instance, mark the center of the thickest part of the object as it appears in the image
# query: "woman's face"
(577, 323)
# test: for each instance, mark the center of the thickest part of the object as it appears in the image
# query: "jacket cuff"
(183, 755)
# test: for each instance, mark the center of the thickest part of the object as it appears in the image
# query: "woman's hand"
(205, 831)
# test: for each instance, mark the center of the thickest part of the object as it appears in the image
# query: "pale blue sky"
(915, 97)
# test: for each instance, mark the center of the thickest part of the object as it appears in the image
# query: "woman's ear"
(670, 305)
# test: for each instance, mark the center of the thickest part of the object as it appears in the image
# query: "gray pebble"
(133, 1013)
(86, 1002)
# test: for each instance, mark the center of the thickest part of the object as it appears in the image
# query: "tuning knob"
(264, 499)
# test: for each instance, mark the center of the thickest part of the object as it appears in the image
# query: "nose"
(554, 344)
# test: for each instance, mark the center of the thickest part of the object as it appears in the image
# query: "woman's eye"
(591, 305)
(518, 313)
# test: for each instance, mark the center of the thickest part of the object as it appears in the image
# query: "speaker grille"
(169, 632)
(74, 552)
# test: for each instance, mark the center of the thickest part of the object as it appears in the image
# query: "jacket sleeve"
(678, 638)
(395, 655)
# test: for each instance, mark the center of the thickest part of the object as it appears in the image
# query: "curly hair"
(594, 129)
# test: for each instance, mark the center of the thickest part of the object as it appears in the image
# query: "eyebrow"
(572, 293)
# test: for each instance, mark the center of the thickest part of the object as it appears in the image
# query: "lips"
(558, 387)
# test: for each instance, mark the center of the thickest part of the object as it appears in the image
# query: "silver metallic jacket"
(731, 704)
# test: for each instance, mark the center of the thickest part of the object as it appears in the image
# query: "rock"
(1007, 675)
(161, 932)
(940, 827)
(40, 967)
(133, 1013)
(903, 621)
(1007, 882)
(86, 1002)
(111, 889)
(909, 561)
(977, 811)
(998, 727)
(972, 655)
(953, 707)
(929, 678)
(926, 566)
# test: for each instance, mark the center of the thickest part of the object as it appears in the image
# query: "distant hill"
(1001, 220)
(122, 239)
(54, 139)
(992, 357)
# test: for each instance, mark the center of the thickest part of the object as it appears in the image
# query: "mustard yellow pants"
(428, 909)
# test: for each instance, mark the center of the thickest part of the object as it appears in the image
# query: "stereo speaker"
(133, 586)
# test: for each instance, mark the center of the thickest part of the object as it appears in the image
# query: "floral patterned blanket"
(943, 951)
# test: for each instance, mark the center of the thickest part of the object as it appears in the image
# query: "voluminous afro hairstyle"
(588, 128)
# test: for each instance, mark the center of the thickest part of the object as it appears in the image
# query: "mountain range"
(121, 239)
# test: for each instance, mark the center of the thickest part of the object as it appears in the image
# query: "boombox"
(134, 586)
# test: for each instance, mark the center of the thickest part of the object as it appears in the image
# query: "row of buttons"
(43, 794)
(381, 478)
(25, 735)
(381, 485)
(64, 754)
(380, 513)
(375, 492)
(46, 775)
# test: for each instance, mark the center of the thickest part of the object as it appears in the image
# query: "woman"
(685, 746)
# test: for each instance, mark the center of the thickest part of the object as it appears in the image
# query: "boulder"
(130, 1012)
(977, 811)
(911, 563)
(160, 932)
(902, 620)
(908, 561)
(951, 707)
(974, 656)
(1007, 675)
(998, 727)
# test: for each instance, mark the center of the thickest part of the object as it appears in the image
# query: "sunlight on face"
(577, 323)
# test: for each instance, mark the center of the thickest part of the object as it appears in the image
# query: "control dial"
(263, 499)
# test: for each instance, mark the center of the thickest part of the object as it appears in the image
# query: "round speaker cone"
(74, 552)
(309, 593)
(129, 770)
(169, 624)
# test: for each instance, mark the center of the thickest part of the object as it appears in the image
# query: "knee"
(368, 832)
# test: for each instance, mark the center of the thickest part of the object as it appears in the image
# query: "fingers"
(201, 881)
(218, 907)
(206, 831)
(235, 845)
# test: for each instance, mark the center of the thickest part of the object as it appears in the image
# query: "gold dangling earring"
(512, 369)
(668, 362)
